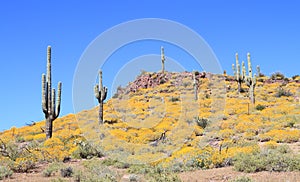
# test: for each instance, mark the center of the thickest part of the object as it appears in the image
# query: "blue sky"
(269, 30)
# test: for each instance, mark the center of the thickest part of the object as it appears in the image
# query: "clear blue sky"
(269, 30)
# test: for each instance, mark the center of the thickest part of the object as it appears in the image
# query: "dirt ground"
(227, 174)
(211, 175)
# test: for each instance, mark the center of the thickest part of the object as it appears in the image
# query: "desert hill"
(156, 121)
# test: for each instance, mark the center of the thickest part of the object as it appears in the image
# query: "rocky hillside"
(157, 121)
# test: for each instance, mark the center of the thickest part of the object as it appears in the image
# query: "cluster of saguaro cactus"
(100, 94)
(196, 84)
(239, 77)
(250, 80)
(162, 60)
(51, 107)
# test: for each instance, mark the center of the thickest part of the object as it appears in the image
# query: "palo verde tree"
(100, 94)
(50, 105)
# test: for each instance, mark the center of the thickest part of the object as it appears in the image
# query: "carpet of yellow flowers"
(165, 125)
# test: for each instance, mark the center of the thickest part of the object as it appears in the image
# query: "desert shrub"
(5, 172)
(296, 78)
(115, 163)
(133, 177)
(9, 150)
(23, 165)
(95, 171)
(139, 169)
(260, 107)
(278, 159)
(52, 168)
(85, 150)
(242, 179)
(155, 173)
(185, 84)
(164, 177)
(277, 76)
(160, 174)
(201, 161)
(281, 92)
(202, 122)
(66, 172)
(20, 139)
(174, 99)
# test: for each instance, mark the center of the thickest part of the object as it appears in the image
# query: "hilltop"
(155, 122)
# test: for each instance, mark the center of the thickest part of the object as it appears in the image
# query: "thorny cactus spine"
(250, 80)
(237, 72)
(51, 108)
(162, 60)
(100, 94)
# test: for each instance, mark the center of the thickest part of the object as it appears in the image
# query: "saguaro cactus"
(250, 80)
(51, 108)
(100, 94)
(258, 71)
(195, 83)
(237, 72)
(162, 60)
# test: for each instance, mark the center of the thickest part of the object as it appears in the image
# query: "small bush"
(202, 122)
(174, 99)
(96, 171)
(86, 150)
(296, 77)
(23, 165)
(281, 92)
(66, 172)
(133, 178)
(277, 76)
(242, 179)
(260, 107)
(5, 172)
(52, 168)
(278, 159)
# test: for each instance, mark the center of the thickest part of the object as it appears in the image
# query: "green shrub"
(278, 159)
(277, 76)
(260, 107)
(133, 178)
(242, 179)
(66, 172)
(295, 77)
(52, 168)
(174, 99)
(96, 171)
(86, 150)
(5, 172)
(202, 122)
(281, 92)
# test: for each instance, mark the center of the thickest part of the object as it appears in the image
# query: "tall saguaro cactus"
(250, 80)
(100, 94)
(51, 107)
(162, 60)
(239, 77)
